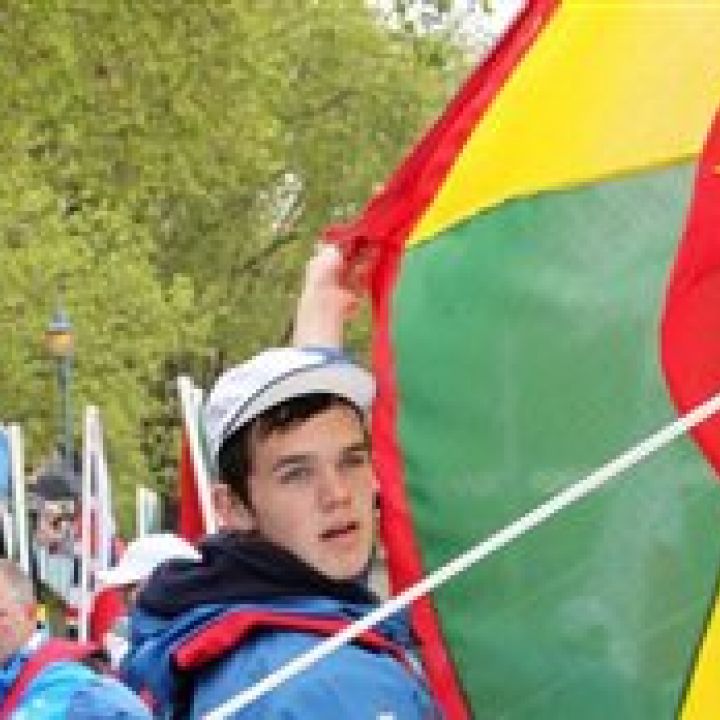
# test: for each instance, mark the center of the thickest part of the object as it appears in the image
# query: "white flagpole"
(190, 400)
(8, 533)
(152, 504)
(17, 457)
(140, 522)
(85, 524)
(498, 540)
(147, 511)
(7, 520)
(104, 513)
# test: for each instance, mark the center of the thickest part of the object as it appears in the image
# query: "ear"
(231, 512)
(375, 483)
(32, 612)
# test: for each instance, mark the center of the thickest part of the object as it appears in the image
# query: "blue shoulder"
(352, 684)
(106, 699)
(72, 691)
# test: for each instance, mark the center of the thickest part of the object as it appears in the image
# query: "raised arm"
(326, 300)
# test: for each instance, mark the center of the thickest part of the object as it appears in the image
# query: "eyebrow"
(360, 446)
(303, 458)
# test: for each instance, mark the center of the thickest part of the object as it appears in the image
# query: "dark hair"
(235, 459)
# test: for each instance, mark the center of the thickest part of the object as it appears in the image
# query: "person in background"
(288, 436)
(43, 677)
(140, 559)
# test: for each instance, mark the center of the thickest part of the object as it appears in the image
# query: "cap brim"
(117, 577)
(344, 379)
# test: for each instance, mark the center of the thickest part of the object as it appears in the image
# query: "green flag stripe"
(526, 352)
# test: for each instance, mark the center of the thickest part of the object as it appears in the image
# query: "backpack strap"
(52, 651)
(219, 636)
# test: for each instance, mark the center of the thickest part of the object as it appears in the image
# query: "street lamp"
(60, 341)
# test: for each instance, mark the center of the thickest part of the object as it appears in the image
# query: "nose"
(333, 489)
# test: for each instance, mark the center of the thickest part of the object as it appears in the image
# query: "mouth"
(340, 531)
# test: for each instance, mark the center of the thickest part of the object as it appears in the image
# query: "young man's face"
(17, 622)
(311, 492)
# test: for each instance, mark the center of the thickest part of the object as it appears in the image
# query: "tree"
(170, 165)
(125, 320)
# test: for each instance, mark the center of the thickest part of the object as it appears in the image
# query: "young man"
(46, 678)
(287, 431)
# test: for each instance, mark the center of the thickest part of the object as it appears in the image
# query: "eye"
(296, 474)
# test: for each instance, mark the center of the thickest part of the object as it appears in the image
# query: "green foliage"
(168, 166)
(126, 321)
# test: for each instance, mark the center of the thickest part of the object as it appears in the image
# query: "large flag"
(527, 244)
(691, 358)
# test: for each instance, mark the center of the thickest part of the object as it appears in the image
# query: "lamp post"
(60, 341)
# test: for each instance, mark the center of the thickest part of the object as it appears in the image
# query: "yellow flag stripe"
(702, 701)
(608, 88)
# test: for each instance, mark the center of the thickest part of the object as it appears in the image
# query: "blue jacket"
(202, 632)
(68, 690)
(378, 678)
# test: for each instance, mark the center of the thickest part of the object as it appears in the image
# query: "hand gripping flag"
(526, 247)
